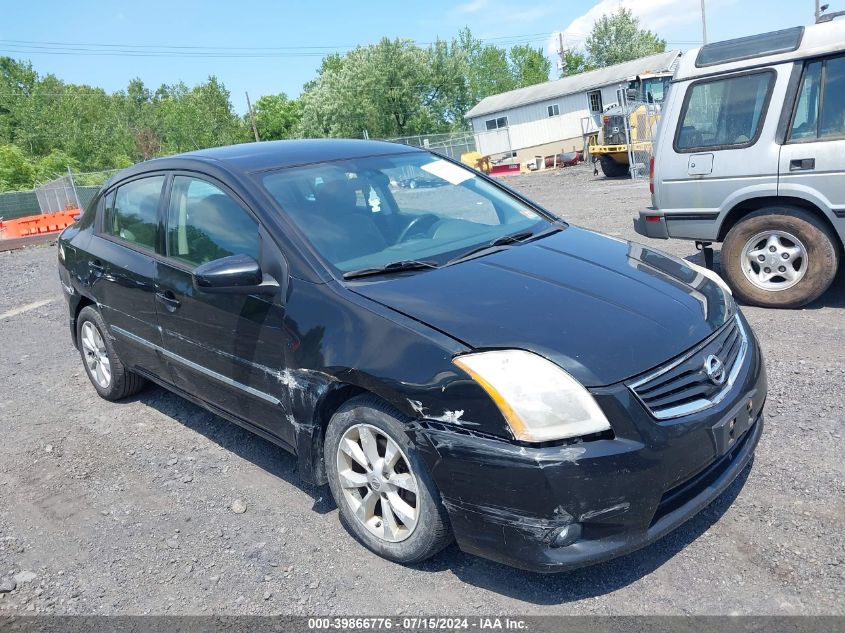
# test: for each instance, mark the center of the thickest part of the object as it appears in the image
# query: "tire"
(430, 531)
(121, 382)
(800, 241)
(611, 169)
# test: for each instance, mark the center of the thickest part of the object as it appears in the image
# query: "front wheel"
(612, 169)
(382, 488)
(780, 258)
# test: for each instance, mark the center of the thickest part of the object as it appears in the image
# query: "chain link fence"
(18, 204)
(72, 191)
(57, 195)
(453, 144)
(641, 129)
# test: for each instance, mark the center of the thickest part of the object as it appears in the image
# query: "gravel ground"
(138, 507)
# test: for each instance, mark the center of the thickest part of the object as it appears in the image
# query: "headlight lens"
(539, 400)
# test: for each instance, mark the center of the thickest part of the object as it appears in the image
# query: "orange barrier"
(37, 224)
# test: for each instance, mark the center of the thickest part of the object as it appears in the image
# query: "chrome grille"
(683, 386)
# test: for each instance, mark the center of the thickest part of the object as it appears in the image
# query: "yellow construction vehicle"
(636, 117)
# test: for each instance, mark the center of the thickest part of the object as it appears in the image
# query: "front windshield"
(371, 212)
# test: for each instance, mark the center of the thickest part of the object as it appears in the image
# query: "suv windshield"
(413, 207)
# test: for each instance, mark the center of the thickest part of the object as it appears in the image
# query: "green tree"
(54, 164)
(16, 170)
(488, 71)
(528, 65)
(378, 88)
(618, 38)
(277, 117)
(575, 62)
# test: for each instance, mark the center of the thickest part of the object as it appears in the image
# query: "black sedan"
(455, 362)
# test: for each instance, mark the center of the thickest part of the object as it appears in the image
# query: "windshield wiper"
(504, 240)
(392, 267)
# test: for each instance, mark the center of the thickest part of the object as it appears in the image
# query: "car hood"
(601, 308)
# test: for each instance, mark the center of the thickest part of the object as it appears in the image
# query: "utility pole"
(704, 23)
(561, 54)
(252, 116)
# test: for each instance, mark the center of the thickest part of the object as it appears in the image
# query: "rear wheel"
(611, 168)
(382, 488)
(102, 364)
(782, 257)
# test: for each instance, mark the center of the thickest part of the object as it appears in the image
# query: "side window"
(594, 97)
(805, 121)
(204, 223)
(724, 113)
(833, 99)
(131, 212)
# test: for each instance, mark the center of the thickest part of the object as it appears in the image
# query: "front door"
(228, 349)
(123, 265)
(812, 161)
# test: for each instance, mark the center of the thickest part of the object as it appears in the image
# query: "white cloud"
(656, 15)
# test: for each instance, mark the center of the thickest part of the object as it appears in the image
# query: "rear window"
(773, 43)
(131, 213)
(724, 113)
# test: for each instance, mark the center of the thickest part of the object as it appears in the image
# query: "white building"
(554, 116)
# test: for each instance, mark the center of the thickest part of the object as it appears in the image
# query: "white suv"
(751, 152)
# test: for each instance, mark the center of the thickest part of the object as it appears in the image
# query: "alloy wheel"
(378, 483)
(96, 355)
(774, 260)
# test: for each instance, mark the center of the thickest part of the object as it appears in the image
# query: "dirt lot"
(126, 508)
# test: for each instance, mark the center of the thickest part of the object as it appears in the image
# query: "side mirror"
(236, 274)
(631, 94)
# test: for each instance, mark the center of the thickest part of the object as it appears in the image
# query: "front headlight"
(539, 400)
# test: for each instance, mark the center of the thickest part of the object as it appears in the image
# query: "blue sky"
(263, 34)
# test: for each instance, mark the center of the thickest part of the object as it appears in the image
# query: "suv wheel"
(102, 364)
(611, 169)
(382, 488)
(780, 258)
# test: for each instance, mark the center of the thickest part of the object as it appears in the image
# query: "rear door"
(123, 264)
(228, 349)
(812, 161)
(722, 143)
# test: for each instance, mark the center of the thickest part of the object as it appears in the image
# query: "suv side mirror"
(236, 274)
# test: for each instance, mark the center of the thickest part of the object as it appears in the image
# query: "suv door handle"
(802, 164)
(168, 300)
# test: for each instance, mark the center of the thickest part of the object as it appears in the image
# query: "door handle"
(168, 300)
(802, 164)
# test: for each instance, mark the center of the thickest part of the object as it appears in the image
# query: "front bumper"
(509, 503)
(650, 224)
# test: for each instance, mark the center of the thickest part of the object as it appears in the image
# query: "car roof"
(252, 157)
(815, 40)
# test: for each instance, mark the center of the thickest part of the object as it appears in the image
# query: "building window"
(497, 124)
(594, 98)
(554, 110)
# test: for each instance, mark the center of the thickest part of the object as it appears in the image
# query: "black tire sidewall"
(117, 385)
(610, 168)
(822, 257)
(431, 533)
